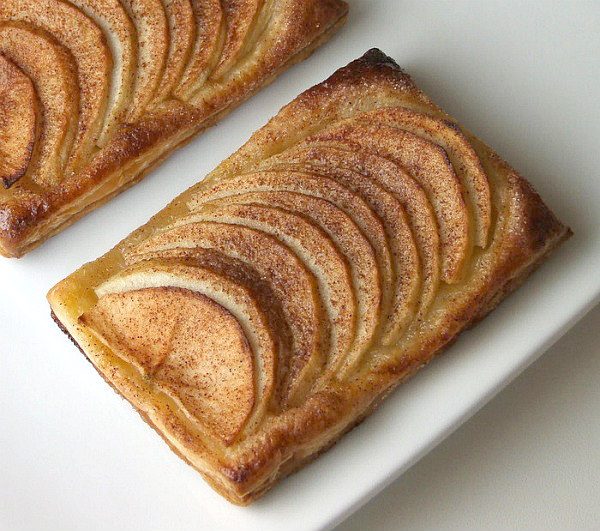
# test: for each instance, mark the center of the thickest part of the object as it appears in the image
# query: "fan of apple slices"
(300, 261)
(80, 69)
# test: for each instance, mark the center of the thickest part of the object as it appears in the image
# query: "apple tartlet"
(94, 93)
(271, 307)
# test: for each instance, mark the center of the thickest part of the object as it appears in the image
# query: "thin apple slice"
(152, 28)
(290, 280)
(92, 57)
(315, 249)
(54, 76)
(353, 245)
(428, 164)
(188, 351)
(373, 178)
(182, 32)
(17, 122)
(121, 37)
(181, 372)
(239, 20)
(463, 157)
(206, 50)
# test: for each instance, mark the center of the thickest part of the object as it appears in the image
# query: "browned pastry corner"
(95, 93)
(271, 307)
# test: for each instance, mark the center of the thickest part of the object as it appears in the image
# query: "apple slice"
(182, 32)
(188, 352)
(290, 280)
(206, 50)
(150, 308)
(152, 26)
(121, 37)
(90, 52)
(315, 249)
(194, 371)
(428, 164)
(239, 20)
(54, 75)
(17, 122)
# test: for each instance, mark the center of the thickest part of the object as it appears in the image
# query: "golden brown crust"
(111, 151)
(521, 231)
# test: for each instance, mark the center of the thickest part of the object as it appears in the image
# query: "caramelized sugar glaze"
(95, 92)
(273, 305)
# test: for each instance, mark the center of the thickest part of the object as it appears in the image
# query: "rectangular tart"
(271, 307)
(94, 93)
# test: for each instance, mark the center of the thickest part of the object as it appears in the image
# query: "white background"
(525, 76)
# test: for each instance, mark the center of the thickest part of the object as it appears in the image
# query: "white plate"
(73, 455)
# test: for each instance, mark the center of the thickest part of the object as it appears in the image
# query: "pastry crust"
(133, 83)
(303, 152)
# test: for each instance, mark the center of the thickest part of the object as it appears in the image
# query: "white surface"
(524, 77)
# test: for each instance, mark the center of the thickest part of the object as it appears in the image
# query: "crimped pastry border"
(529, 232)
